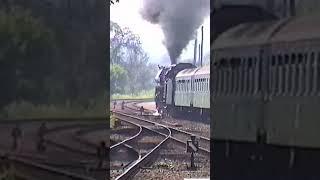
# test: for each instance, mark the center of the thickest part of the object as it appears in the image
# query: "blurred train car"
(192, 93)
(182, 89)
(266, 81)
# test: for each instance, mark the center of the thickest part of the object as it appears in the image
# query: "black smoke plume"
(179, 19)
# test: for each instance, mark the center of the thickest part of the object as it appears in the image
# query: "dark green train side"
(265, 84)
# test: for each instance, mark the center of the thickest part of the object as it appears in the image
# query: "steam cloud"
(179, 19)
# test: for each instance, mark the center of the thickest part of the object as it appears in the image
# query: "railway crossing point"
(192, 146)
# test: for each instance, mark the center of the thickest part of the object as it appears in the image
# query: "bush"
(141, 95)
(22, 110)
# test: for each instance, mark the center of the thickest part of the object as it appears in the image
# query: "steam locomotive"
(183, 89)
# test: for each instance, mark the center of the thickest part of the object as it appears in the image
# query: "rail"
(23, 167)
(201, 149)
(132, 170)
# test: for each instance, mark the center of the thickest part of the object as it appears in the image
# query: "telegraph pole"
(195, 49)
(201, 44)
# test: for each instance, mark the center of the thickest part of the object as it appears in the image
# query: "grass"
(25, 110)
(141, 95)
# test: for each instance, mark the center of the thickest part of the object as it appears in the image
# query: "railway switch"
(192, 146)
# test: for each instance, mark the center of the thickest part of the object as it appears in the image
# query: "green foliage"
(130, 70)
(28, 110)
(144, 94)
(49, 63)
(26, 48)
(118, 76)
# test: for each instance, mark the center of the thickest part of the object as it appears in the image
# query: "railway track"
(62, 159)
(29, 170)
(172, 152)
(177, 135)
(149, 151)
(122, 154)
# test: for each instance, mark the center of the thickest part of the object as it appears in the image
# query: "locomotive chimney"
(195, 50)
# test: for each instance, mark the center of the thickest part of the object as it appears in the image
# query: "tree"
(126, 52)
(26, 48)
(117, 79)
(112, 1)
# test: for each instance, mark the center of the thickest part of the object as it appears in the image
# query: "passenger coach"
(266, 92)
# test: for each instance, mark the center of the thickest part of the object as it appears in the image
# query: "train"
(265, 89)
(265, 92)
(184, 89)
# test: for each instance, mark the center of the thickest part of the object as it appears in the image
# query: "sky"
(126, 14)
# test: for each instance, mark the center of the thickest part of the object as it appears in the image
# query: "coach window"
(253, 73)
(182, 85)
(217, 81)
(219, 85)
(276, 76)
(238, 73)
(299, 74)
(244, 76)
(224, 79)
(311, 73)
(293, 74)
(317, 77)
(187, 84)
(203, 85)
(239, 80)
(304, 68)
(232, 66)
(308, 75)
(250, 76)
(280, 75)
(272, 76)
(207, 84)
(286, 74)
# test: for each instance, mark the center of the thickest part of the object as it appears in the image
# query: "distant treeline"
(53, 52)
(130, 69)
